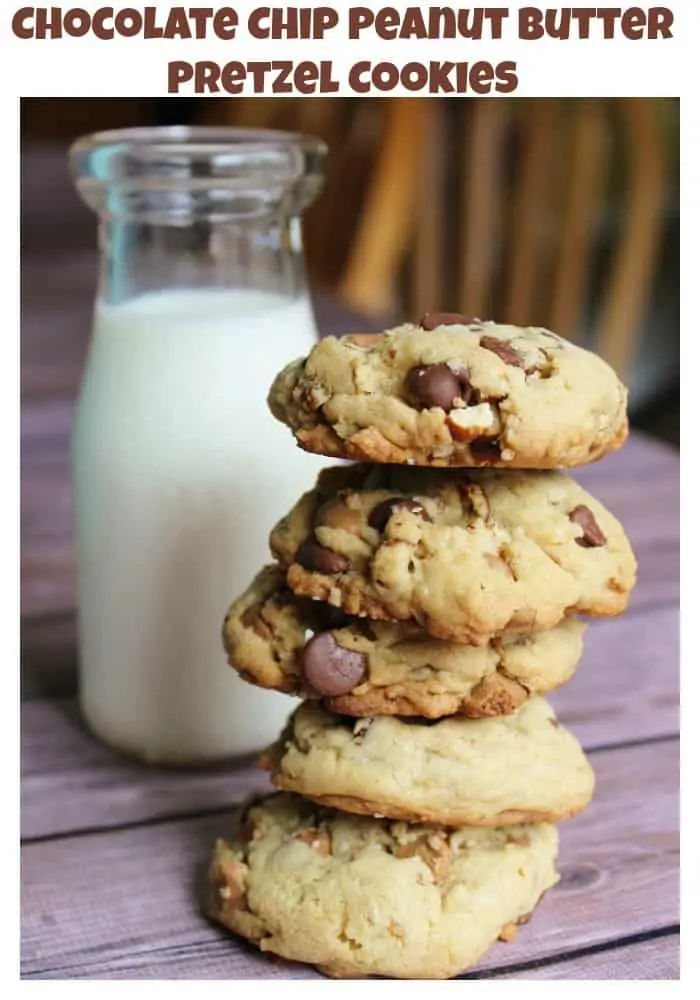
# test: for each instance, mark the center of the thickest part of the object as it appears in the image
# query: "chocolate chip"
(321, 617)
(380, 516)
(318, 559)
(592, 537)
(486, 449)
(329, 669)
(437, 385)
(431, 321)
(504, 351)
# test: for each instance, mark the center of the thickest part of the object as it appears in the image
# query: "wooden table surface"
(112, 852)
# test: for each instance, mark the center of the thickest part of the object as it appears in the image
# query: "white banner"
(344, 49)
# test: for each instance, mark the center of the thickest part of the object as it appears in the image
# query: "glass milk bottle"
(179, 469)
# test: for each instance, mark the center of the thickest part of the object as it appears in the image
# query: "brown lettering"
(462, 78)
(414, 76)
(506, 77)
(633, 23)
(440, 82)
(19, 27)
(127, 22)
(354, 77)
(660, 22)
(386, 24)
(385, 76)
(201, 17)
(583, 17)
(177, 25)
(178, 72)
(496, 15)
(306, 77)
(359, 18)
(151, 28)
(481, 77)
(100, 30)
(76, 22)
(206, 77)
(442, 22)
(281, 84)
(609, 16)
(557, 27)
(48, 22)
(258, 70)
(255, 25)
(327, 85)
(325, 19)
(413, 25)
(233, 77)
(530, 23)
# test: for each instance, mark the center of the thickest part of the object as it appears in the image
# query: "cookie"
(364, 897)
(466, 554)
(363, 667)
(520, 768)
(453, 391)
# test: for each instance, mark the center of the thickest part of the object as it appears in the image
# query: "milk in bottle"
(180, 471)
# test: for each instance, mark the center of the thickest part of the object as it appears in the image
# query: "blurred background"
(553, 212)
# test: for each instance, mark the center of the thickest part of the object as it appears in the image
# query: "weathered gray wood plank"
(625, 689)
(658, 958)
(111, 904)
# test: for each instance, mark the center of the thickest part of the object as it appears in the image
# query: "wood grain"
(657, 958)
(112, 903)
(625, 689)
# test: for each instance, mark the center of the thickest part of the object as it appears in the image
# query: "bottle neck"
(144, 256)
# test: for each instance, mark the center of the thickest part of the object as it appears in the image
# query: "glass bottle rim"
(211, 139)
(192, 158)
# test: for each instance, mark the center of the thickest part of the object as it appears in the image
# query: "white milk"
(180, 472)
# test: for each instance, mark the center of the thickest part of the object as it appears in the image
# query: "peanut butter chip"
(318, 559)
(317, 838)
(365, 339)
(592, 537)
(329, 669)
(508, 932)
(505, 352)
(433, 850)
(230, 884)
(520, 840)
(336, 514)
(499, 564)
(381, 514)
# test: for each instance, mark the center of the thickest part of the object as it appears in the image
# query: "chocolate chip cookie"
(454, 391)
(364, 897)
(466, 554)
(520, 768)
(364, 667)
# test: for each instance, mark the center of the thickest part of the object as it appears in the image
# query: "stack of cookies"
(422, 602)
